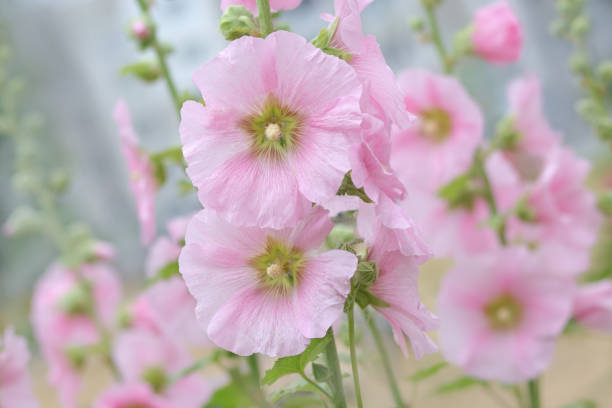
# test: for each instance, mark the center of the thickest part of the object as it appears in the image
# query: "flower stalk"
(265, 17)
(333, 363)
(354, 365)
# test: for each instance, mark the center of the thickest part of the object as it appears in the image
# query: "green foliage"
(230, 396)
(459, 384)
(348, 188)
(427, 372)
(295, 364)
(324, 40)
(147, 71)
(459, 192)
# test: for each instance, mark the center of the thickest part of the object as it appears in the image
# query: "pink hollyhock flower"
(441, 145)
(62, 317)
(275, 5)
(140, 29)
(397, 284)
(276, 130)
(142, 179)
(165, 250)
(498, 34)
(15, 387)
(593, 305)
(500, 315)
(262, 290)
(130, 396)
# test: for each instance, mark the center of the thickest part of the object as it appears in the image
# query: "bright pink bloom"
(441, 144)
(500, 315)
(63, 323)
(263, 290)
(397, 284)
(142, 179)
(129, 396)
(498, 34)
(593, 305)
(15, 387)
(276, 130)
(275, 5)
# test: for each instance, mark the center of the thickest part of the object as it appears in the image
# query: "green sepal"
(320, 372)
(348, 188)
(365, 298)
(236, 22)
(459, 192)
(147, 71)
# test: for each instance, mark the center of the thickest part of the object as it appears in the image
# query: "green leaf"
(321, 373)
(581, 404)
(459, 192)
(146, 70)
(427, 372)
(295, 364)
(230, 396)
(459, 384)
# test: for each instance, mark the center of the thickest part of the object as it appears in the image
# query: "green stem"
(317, 386)
(437, 38)
(265, 17)
(254, 367)
(534, 393)
(354, 365)
(384, 357)
(479, 167)
(333, 363)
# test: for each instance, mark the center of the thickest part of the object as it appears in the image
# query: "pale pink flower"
(441, 144)
(262, 290)
(397, 284)
(166, 249)
(500, 314)
(593, 305)
(140, 29)
(129, 396)
(498, 34)
(15, 386)
(275, 133)
(142, 179)
(275, 5)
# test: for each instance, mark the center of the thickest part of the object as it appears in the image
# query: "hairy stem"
(265, 17)
(333, 363)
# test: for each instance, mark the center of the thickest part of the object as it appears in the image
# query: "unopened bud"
(580, 27)
(139, 29)
(60, 179)
(23, 219)
(77, 301)
(236, 22)
(579, 63)
(604, 70)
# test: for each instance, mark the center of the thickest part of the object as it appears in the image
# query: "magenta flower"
(262, 290)
(441, 145)
(129, 396)
(142, 179)
(15, 386)
(275, 5)
(276, 130)
(593, 305)
(500, 314)
(498, 34)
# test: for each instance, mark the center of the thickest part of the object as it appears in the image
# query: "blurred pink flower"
(275, 5)
(166, 249)
(129, 396)
(140, 29)
(262, 290)
(142, 179)
(275, 133)
(441, 144)
(500, 314)
(498, 34)
(15, 386)
(593, 305)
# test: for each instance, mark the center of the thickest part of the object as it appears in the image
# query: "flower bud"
(417, 24)
(507, 137)
(579, 63)
(590, 110)
(78, 301)
(498, 34)
(139, 29)
(580, 27)
(604, 70)
(60, 179)
(148, 71)
(156, 378)
(236, 22)
(23, 219)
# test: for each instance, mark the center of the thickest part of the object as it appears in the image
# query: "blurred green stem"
(436, 37)
(333, 364)
(351, 329)
(534, 393)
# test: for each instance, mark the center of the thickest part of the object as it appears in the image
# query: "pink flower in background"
(15, 386)
(166, 249)
(441, 144)
(397, 284)
(593, 305)
(130, 396)
(142, 179)
(275, 5)
(140, 29)
(262, 290)
(498, 34)
(275, 134)
(500, 314)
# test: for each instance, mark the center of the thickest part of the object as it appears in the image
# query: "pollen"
(275, 271)
(273, 132)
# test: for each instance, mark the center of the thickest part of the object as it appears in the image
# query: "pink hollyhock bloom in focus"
(397, 284)
(15, 387)
(130, 396)
(441, 144)
(142, 179)
(593, 305)
(275, 5)
(62, 317)
(263, 290)
(498, 34)
(166, 249)
(500, 315)
(275, 133)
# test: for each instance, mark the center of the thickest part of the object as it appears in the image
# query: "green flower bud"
(77, 356)
(23, 219)
(77, 301)
(156, 378)
(417, 24)
(580, 27)
(236, 22)
(60, 179)
(367, 272)
(524, 211)
(340, 234)
(579, 63)
(604, 70)
(462, 41)
(147, 71)
(604, 129)
(507, 137)
(590, 110)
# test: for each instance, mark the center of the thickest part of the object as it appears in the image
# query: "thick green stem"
(254, 367)
(333, 364)
(265, 17)
(437, 38)
(354, 365)
(534, 393)
(384, 357)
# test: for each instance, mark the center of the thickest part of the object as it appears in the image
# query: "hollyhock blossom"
(275, 5)
(129, 396)
(500, 315)
(15, 387)
(63, 309)
(441, 144)
(263, 290)
(142, 179)
(165, 250)
(593, 305)
(497, 35)
(276, 130)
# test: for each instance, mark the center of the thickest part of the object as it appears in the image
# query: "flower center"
(275, 129)
(435, 124)
(504, 313)
(278, 267)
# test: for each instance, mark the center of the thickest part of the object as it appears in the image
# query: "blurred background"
(69, 52)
